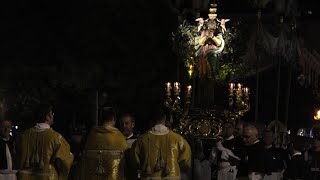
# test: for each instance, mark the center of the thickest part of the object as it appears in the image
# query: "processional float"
(201, 45)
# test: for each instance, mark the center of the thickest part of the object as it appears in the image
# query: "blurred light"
(317, 116)
(190, 70)
(309, 12)
(301, 132)
(16, 127)
(289, 132)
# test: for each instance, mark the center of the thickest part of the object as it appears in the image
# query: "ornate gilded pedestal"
(204, 123)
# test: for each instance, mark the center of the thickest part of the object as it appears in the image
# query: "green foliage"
(183, 40)
(224, 66)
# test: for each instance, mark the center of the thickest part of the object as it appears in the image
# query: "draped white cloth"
(8, 174)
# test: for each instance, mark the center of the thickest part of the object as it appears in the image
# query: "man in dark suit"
(227, 152)
(6, 153)
(128, 123)
(259, 160)
(296, 165)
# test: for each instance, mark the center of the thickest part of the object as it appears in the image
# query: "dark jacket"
(296, 168)
(259, 159)
(3, 156)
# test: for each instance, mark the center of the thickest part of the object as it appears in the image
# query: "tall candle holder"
(204, 123)
(173, 101)
(238, 100)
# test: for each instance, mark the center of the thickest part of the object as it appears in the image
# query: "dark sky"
(48, 31)
(131, 39)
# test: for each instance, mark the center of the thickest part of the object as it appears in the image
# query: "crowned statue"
(209, 41)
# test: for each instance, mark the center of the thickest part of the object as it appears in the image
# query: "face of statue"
(212, 25)
(5, 128)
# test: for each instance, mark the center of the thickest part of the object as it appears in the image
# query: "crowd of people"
(107, 152)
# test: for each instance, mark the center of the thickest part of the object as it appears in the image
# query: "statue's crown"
(213, 8)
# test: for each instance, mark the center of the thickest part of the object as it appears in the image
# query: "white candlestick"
(176, 87)
(246, 91)
(231, 86)
(168, 88)
(189, 90)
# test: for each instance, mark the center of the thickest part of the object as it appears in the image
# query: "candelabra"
(238, 101)
(204, 123)
(173, 101)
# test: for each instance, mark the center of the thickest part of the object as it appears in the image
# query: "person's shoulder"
(176, 136)
(135, 135)
(144, 135)
(142, 139)
(26, 131)
(259, 144)
(104, 129)
(53, 132)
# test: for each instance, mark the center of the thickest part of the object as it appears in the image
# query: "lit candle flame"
(231, 86)
(190, 70)
(189, 88)
(176, 87)
(246, 91)
(168, 88)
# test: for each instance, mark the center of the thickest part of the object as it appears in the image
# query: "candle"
(189, 90)
(168, 88)
(176, 87)
(239, 90)
(190, 70)
(231, 86)
(246, 91)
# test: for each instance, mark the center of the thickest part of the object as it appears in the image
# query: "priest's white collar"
(268, 146)
(129, 136)
(106, 126)
(159, 129)
(296, 154)
(229, 138)
(6, 139)
(42, 126)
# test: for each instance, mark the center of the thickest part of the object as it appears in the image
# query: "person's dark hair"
(267, 131)
(299, 143)
(128, 114)
(108, 114)
(159, 114)
(42, 110)
(7, 116)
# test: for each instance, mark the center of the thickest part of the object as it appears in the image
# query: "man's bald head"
(250, 134)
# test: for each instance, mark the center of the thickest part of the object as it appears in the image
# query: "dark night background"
(63, 51)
